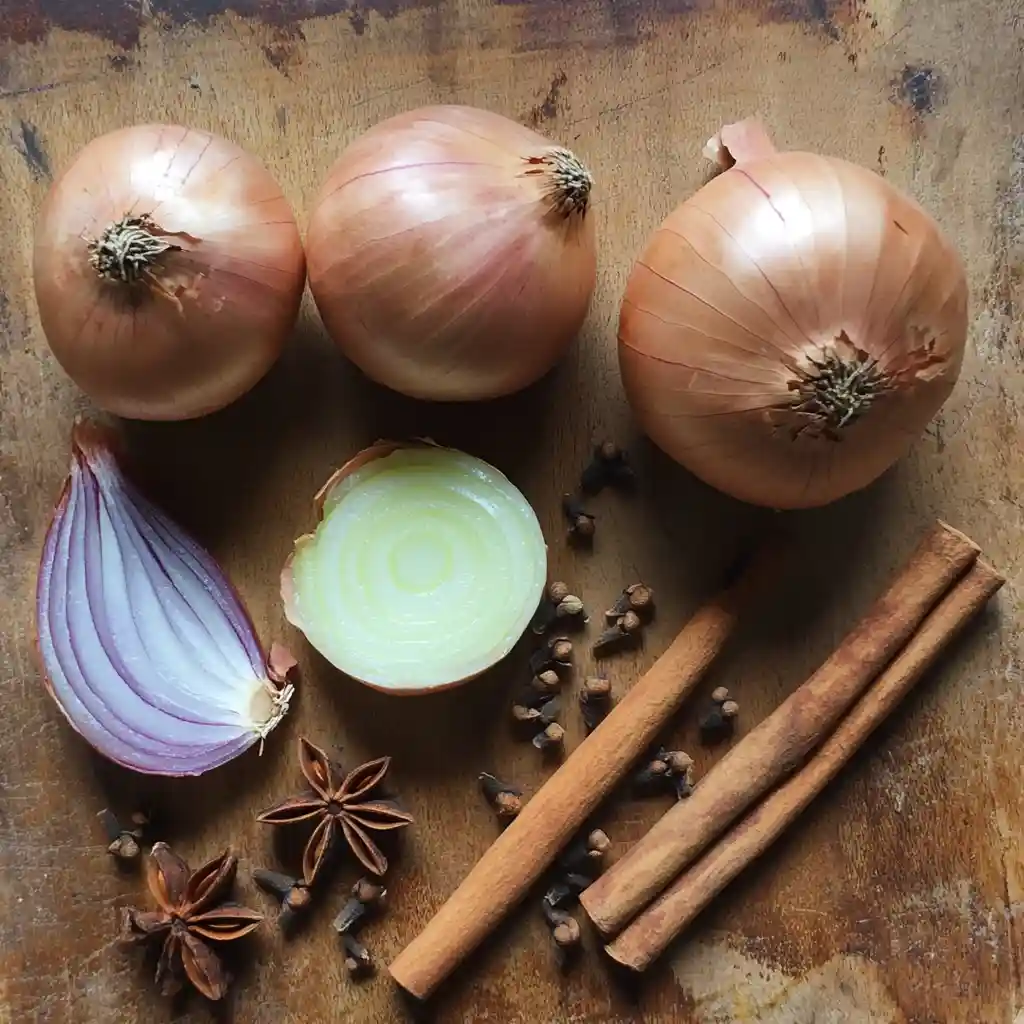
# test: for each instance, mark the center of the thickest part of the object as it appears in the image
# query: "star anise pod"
(342, 807)
(191, 910)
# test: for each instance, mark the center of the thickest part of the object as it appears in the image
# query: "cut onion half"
(425, 568)
(146, 646)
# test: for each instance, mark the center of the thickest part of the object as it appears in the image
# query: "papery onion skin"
(785, 258)
(146, 647)
(389, 633)
(440, 260)
(200, 324)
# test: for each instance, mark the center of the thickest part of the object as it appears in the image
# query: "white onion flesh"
(146, 647)
(424, 571)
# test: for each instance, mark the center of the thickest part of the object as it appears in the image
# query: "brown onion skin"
(742, 282)
(231, 294)
(432, 312)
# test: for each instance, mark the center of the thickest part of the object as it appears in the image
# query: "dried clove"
(123, 843)
(358, 961)
(718, 720)
(585, 854)
(547, 683)
(667, 771)
(532, 718)
(609, 467)
(595, 701)
(581, 522)
(565, 932)
(556, 653)
(614, 639)
(637, 597)
(505, 800)
(630, 623)
(551, 739)
(366, 898)
(293, 894)
(569, 607)
(557, 604)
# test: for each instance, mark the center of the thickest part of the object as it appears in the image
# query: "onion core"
(451, 253)
(792, 327)
(425, 569)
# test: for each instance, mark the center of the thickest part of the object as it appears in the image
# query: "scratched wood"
(899, 897)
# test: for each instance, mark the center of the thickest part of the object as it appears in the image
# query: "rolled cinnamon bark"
(781, 742)
(646, 938)
(518, 857)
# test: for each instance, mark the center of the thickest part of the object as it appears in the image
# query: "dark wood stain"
(550, 106)
(920, 87)
(27, 142)
(551, 23)
(284, 50)
(25, 21)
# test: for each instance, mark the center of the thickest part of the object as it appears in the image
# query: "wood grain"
(899, 896)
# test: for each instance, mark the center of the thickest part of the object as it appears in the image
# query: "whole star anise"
(191, 910)
(342, 807)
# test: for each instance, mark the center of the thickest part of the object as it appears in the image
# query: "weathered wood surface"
(899, 897)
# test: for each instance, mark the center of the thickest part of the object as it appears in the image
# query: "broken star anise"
(342, 808)
(191, 910)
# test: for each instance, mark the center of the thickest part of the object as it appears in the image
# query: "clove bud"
(630, 623)
(358, 961)
(614, 639)
(551, 739)
(608, 467)
(558, 592)
(565, 932)
(569, 607)
(505, 800)
(667, 771)
(581, 522)
(717, 722)
(595, 699)
(366, 897)
(293, 894)
(547, 682)
(556, 653)
(123, 843)
(637, 597)
(585, 854)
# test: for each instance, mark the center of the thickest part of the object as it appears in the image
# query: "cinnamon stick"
(646, 938)
(524, 850)
(780, 743)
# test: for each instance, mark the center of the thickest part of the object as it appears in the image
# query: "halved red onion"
(146, 646)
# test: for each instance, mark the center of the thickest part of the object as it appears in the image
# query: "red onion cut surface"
(146, 646)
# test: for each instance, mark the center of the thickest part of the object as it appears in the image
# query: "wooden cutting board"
(900, 895)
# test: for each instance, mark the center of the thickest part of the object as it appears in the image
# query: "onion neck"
(128, 249)
(567, 181)
(837, 389)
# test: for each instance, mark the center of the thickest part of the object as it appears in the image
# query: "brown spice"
(366, 898)
(551, 740)
(609, 467)
(718, 720)
(612, 640)
(506, 800)
(595, 701)
(293, 894)
(582, 525)
(637, 597)
(190, 910)
(358, 961)
(342, 807)
(666, 771)
(124, 843)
